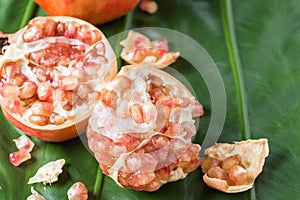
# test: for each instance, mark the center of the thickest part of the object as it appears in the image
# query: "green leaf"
(255, 45)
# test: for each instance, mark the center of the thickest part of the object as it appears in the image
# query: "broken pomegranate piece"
(139, 49)
(233, 168)
(77, 191)
(50, 74)
(18, 157)
(140, 131)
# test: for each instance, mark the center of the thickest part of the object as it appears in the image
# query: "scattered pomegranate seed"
(77, 191)
(148, 6)
(18, 157)
(23, 143)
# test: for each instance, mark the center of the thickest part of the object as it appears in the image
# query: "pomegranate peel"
(93, 11)
(242, 163)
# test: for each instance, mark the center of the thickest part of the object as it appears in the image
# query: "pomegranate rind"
(130, 48)
(136, 153)
(75, 125)
(253, 154)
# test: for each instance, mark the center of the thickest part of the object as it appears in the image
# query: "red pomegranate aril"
(23, 143)
(197, 109)
(138, 178)
(208, 162)
(136, 114)
(27, 90)
(77, 191)
(48, 60)
(57, 119)
(70, 30)
(160, 141)
(231, 161)
(60, 29)
(32, 34)
(17, 79)
(109, 98)
(42, 109)
(10, 91)
(68, 82)
(194, 164)
(39, 120)
(9, 69)
(217, 172)
(83, 91)
(163, 173)
(238, 175)
(133, 162)
(45, 91)
(18, 157)
(13, 105)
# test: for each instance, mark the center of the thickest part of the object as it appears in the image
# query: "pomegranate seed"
(42, 109)
(231, 161)
(138, 179)
(217, 172)
(17, 79)
(57, 119)
(18, 157)
(13, 105)
(39, 120)
(41, 75)
(208, 162)
(238, 175)
(197, 109)
(44, 92)
(32, 34)
(77, 191)
(148, 6)
(23, 143)
(136, 113)
(27, 90)
(68, 82)
(10, 91)
(109, 98)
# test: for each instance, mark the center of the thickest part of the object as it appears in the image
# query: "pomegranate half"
(51, 72)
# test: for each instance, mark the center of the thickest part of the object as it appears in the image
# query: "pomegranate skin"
(93, 11)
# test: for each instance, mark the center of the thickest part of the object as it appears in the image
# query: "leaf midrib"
(236, 66)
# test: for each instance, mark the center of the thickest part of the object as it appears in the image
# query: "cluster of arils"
(141, 130)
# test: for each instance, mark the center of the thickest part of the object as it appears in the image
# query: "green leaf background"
(255, 45)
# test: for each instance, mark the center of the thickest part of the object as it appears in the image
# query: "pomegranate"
(93, 11)
(141, 129)
(51, 74)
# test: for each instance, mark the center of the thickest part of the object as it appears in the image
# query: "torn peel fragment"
(139, 49)
(35, 195)
(140, 132)
(233, 168)
(48, 173)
